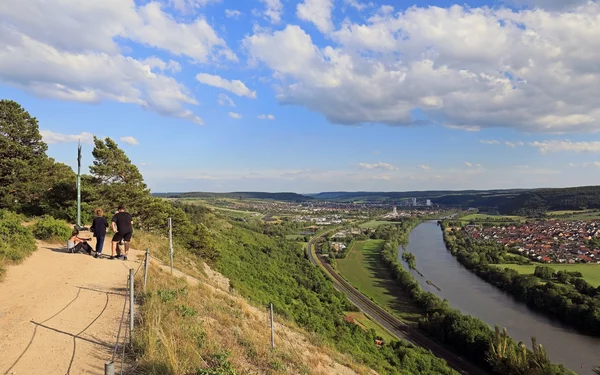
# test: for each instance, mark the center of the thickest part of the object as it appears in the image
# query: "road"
(398, 328)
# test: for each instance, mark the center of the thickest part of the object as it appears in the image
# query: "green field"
(575, 215)
(375, 223)
(364, 269)
(590, 272)
(490, 217)
(366, 323)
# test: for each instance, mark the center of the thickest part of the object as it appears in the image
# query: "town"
(551, 241)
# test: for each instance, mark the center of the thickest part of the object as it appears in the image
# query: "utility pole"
(79, 184)
(272, 328)
(171, 243)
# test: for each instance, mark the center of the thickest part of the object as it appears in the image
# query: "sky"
(315, 95)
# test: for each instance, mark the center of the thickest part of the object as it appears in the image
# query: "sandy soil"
(60, 312)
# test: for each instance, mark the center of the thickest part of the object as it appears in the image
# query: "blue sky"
(315, 95)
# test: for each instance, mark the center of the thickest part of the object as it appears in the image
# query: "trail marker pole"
(79, 184)
(146, 261)
(109, 368)
(171, 243)
(272, 328)
(131, 312)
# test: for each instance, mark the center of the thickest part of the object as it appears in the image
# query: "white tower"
(394, 211)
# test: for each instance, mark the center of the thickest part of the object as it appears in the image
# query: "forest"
(563, 295)
(468, 336)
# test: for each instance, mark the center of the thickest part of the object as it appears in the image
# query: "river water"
(472, 295)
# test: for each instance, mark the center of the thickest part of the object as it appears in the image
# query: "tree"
(119, 181)
(22, 158)
(544, 272)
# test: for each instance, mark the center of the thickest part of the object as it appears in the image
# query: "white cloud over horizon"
(234, 86)
(51, 137)
(235, 115)
(561, 146)
(265, 117)
(130, 140)
(379, 165)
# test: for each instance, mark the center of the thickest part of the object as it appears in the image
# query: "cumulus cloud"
(234, 115)
(424, 166)
(357, 4)
(130, 140)
(44, 51)
(489, 141)
(318, 12)
(514, 144)
(235, 86)
(223, 99)
(559, 146)
(273, 10)
(232, 13)
(188, 6)
(51, 137)
(379, 165)
(266, 117)
(532, 70)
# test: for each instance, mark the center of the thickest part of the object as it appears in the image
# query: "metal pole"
(79, 184)
(272, 328)
(109, 368)
(146, 261)
(171, 242)
(131, 312)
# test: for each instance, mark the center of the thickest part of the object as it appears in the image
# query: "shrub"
(50, 229)
(16, 241)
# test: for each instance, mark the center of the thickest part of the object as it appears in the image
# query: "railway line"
(397, 327)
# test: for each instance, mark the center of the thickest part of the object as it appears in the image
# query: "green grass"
(366, 323)
(590, 272)
(375, 223)
(294, 237)
(364, 269)
(564, 212)
(490, 217)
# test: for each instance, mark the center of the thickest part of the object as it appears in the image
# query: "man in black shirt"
(122, 225)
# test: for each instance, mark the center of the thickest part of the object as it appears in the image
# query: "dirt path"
(60, 312)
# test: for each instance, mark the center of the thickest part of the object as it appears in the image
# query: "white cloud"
(235, 86)
(144, 164)
(468, 164)
(514, 144)
(531, 70)
(130, 140)
(424, 166)
(318, 12)
(379, 165)
(155, 62)
(51, 137)
(559, 146)
(489, 141)
(357, 4)
(234, 115)
(266, 117)
(188, 6)
(273, 10)
(223, 99)
(232, 13)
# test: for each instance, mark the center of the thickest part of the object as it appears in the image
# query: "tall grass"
(199, 329)
(16, 241)
(52, 230)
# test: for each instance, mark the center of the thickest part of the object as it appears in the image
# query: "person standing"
(122, 225)
(98, 227)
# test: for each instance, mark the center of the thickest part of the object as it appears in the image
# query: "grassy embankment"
(486, 217)
(375, 223)
(365, 270)
(590, 272)
(203, 328)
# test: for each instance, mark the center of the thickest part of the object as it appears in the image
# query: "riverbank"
(466, 292)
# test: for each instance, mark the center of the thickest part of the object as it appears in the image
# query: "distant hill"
(396, 196)
(286, 197)
(542, 200)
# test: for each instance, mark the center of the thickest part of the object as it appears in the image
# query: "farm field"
(491, 217)
(590, 272)
(375, 223)
(364, 269)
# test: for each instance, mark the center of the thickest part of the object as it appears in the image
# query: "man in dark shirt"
(98, 227)
(122, 225)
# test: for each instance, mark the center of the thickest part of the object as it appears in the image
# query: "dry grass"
(187, 325)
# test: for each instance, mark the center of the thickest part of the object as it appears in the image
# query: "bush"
(50, 229)
(16, 241)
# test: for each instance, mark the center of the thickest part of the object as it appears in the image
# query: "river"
(472, 295)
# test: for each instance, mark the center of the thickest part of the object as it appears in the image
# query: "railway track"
(398, 328)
